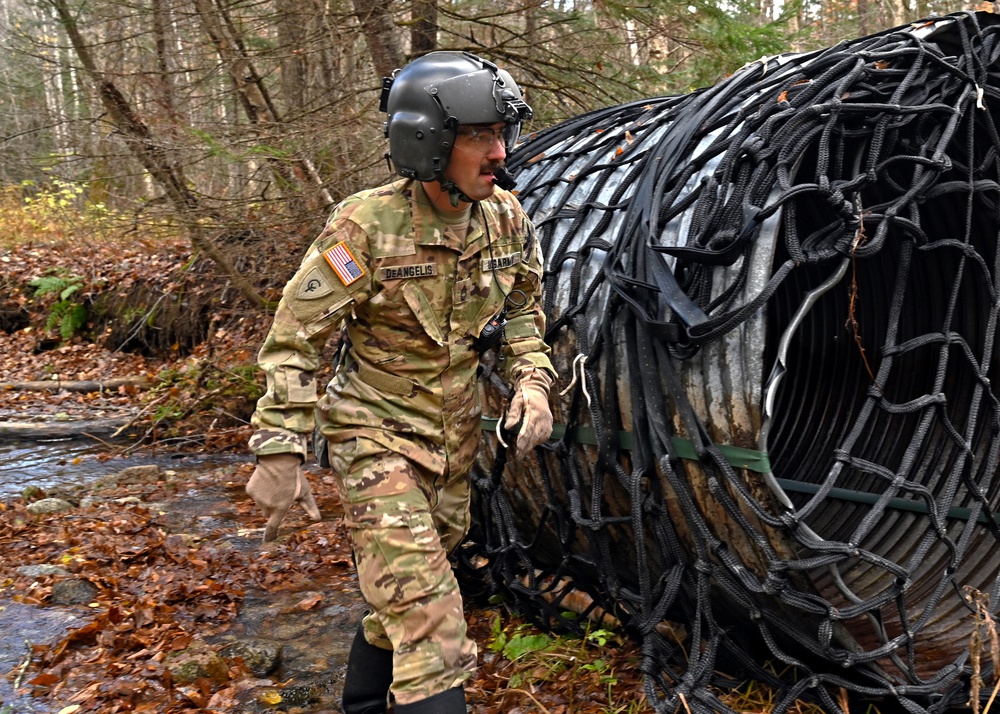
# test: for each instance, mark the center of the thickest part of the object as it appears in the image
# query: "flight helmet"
(427, 99)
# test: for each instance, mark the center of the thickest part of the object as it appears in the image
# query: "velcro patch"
(401, 272)
(314, 285)
(343, 262)
(501, 261)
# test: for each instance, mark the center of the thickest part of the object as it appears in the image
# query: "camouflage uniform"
(402, 414)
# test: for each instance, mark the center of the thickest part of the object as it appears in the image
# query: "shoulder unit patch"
(315, 285)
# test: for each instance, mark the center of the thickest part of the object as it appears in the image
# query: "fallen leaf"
(309, 602)
(270, 697)
(44, 680)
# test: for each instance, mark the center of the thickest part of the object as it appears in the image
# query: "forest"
(237, 124)
(166, 163)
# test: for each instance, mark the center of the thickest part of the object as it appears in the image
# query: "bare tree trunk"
(232, 50)
(165, 83)
(900, 12)
(253, 94)
(52, 86)
(379, 31)
(794, 25)
(292, 37)
(151, 155)
(530, 12)
(424, 28)
(766, 10)
(863, 24)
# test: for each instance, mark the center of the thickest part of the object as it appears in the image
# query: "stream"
(313, 643)
(61, 462)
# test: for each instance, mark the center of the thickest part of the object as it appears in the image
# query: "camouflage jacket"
(412, 296)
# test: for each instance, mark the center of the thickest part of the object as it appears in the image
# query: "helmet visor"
(510, 133)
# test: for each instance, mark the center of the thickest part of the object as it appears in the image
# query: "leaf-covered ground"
(162, 583)
(160, 587)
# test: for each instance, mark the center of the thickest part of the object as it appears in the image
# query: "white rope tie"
(582, 377)
(497, 429)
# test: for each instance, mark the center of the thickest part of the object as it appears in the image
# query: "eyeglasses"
(483, 139)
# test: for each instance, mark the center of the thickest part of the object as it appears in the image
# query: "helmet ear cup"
(419, 145)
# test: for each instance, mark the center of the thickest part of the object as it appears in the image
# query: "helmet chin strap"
(454, 192)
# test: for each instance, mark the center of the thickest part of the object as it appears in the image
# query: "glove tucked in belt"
(277, 483)
(530, 407)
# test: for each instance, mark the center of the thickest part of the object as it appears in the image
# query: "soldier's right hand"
(277, 483)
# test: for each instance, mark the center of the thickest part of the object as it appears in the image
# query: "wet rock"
(279, 627)
(32, 493)
(297, 695)
(49, 505)
(197, 662)
(34, 571)
(73, 592)
(336, 611)
(260, 658)
(315, 643)
(149, 473)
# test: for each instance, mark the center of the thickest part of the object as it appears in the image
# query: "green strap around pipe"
(751, 460)
(738, 457)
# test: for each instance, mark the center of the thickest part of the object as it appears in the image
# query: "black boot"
(449, 702)
(369, 674)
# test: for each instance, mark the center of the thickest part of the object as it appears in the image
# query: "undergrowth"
(67, 314)
(597, 672)
(60, 211)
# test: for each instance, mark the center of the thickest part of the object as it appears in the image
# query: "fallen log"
(60, 429)
(83, 385)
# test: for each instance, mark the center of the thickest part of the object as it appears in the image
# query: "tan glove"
(277, 483)
(530, 406)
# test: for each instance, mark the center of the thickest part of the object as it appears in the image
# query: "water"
(21, 626)
(314, 641)
(54, 464)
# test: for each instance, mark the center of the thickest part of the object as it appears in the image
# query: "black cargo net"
(772, 305)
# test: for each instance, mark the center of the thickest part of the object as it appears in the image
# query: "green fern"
(54, 283)
(66, 316)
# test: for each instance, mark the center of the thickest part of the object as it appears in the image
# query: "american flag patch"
(343, 262)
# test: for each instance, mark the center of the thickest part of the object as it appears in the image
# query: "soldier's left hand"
(530, 407)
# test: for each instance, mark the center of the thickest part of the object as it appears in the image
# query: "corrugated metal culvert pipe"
(773, 307)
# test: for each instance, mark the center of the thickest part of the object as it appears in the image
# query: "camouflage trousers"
(403, 522)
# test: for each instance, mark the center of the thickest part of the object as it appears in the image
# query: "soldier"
(424, 274)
